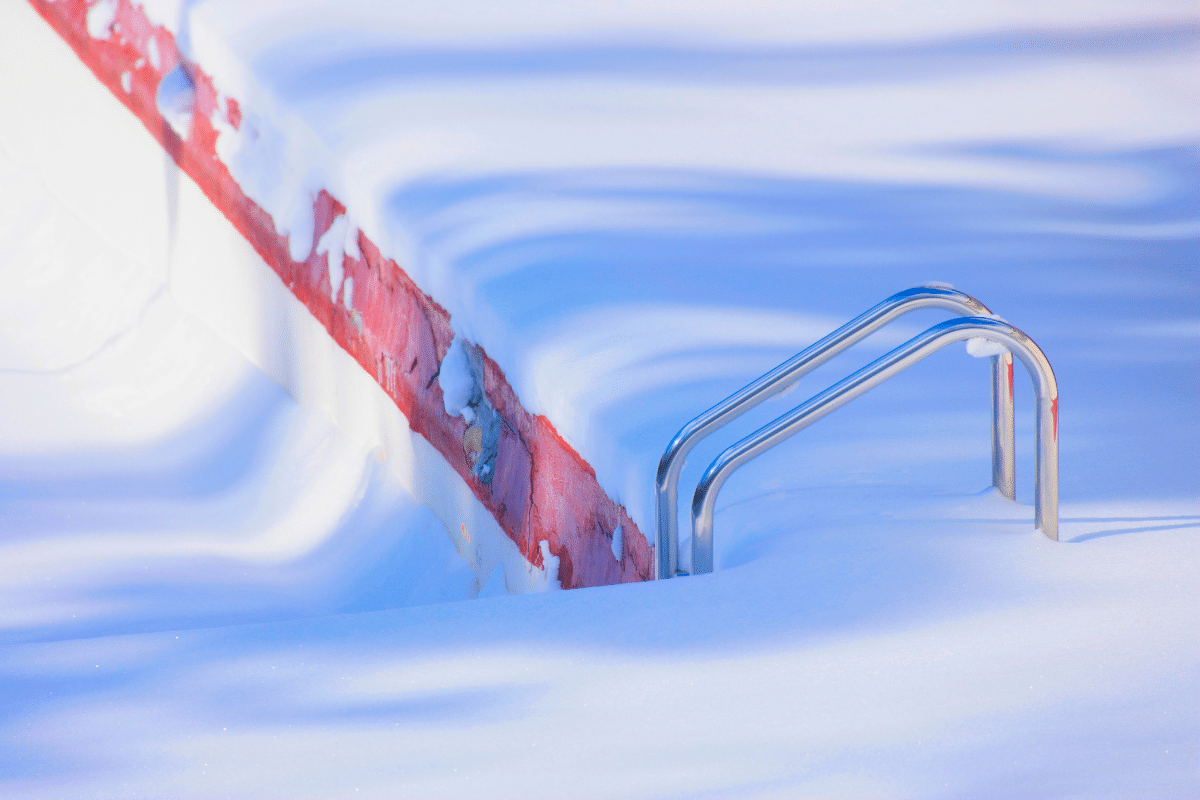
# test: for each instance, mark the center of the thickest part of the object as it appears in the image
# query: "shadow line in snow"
(1122, 531)
(1193, 519)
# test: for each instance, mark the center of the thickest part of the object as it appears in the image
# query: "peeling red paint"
(233, 113)
(1054, 413)
(1010, 379)
(542, 490)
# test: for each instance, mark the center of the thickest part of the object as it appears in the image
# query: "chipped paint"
(542, 493)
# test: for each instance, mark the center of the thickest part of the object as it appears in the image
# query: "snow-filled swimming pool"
(876, 627)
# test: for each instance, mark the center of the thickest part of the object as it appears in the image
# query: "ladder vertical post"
(1004, 455)
(1046, 486)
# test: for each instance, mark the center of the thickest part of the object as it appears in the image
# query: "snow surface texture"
(635, 211)
(558, 179)
(151, 478)
(175, 99)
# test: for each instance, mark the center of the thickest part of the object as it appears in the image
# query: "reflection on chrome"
(786, 375)
(870, 376)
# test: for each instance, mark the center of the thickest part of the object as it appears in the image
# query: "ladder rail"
(995, 330)
(670, 466)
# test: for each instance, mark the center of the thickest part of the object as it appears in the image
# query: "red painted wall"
(541, 489)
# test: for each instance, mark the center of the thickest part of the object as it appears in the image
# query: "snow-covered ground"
(634, 224)
(151, 477)
(637, 208)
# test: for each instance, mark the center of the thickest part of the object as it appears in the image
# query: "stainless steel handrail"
(875, 373)
(785, 376)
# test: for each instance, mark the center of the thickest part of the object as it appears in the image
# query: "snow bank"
(491, 149)
(365, 303)
(151, 478)
(630, 230)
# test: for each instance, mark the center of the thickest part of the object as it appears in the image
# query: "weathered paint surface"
(541, 490)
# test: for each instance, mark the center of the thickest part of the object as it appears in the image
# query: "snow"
(176, 97)
(635, 208)
(549, 565)
(64, 293)
(340, 242)
(139, 445)
(270, 168)
(167, 13)
(100, 18)
(494, 585)
(457, 380)
(153, 53)
(978, 347)
(490, 148)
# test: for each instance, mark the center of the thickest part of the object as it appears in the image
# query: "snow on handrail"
(784, 376)
(873, 374)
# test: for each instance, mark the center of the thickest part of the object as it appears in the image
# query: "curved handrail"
(873, 374)
(786, 374)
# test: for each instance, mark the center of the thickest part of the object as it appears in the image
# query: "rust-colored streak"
(542, 490)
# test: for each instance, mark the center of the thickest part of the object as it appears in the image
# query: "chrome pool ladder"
(977, 323)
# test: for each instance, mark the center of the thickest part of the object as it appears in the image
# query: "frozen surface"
(635, 209)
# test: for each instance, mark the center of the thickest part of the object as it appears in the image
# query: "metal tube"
(784, 376)
(1004, 448)
(875, 373)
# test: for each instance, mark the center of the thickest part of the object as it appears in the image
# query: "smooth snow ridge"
(150, 478)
